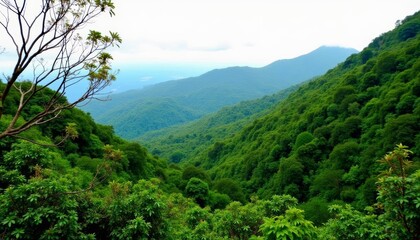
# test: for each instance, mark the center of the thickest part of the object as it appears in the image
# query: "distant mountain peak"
(211, 91)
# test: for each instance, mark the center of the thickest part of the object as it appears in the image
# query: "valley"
(322, 146)
(137, 112)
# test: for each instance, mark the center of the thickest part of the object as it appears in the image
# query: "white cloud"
(245, 32)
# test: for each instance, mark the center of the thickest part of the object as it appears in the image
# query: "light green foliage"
(352, 224)
(136, 212)
(40, 209)
(399, 193)
(25, 156)
(278, 205)
(302, 139)
(238, 221)
(291, 225)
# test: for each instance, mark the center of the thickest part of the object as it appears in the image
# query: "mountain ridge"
(324, 140)
(209, 92)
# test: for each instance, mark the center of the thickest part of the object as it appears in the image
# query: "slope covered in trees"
(323, 140)
(184, 141)
(165, 104)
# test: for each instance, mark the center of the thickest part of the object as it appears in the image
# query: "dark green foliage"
(327, 184)
(396, 216)
(216, 151)
(316, 210)
(231, 188)
(343, 156)
(46, 190)
(324, 138)
(194, 172)
(401, 130)
(177, 157)
(137, 158)
(409, 30)
(218, 200)
(290, 172)
(343, 92)
(198, 190)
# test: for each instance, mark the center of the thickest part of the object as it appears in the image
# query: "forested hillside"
(324, 139)
(137, 112)
(188, 140)
(336, 159)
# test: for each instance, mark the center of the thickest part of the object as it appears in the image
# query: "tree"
(198, 190)
(231, 188)
(49, 45)
(136, 211)
(349, 223)
(291, 225)
(397, 205)
(40, 209)
(399, 193)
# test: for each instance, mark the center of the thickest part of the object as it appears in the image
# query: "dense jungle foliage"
(326, 163)
(324, 139)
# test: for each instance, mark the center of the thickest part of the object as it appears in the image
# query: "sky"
(246, 32)
(173, 39)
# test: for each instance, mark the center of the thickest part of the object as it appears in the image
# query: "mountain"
(71, 178)
(136, 112)
(325, 139)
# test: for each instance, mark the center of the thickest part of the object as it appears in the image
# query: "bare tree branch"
(49, 43)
